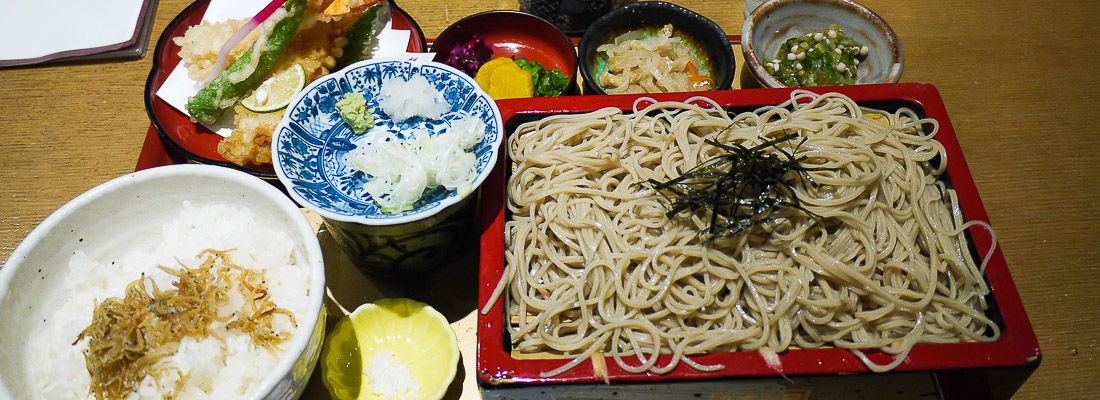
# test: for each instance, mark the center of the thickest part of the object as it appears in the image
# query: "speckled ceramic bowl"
(769, 25)
(108, 220)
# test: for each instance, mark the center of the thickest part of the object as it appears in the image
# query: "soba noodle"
(594, 266)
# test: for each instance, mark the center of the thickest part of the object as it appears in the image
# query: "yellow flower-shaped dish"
(391, 349)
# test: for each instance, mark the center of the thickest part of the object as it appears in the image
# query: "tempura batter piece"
(199, 46)
(338, 8)
(250, 142)
(316, 46)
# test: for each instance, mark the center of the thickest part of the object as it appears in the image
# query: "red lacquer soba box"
(958, 370)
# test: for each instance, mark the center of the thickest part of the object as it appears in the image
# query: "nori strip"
(740, 189)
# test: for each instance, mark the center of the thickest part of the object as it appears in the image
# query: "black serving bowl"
(707, 39)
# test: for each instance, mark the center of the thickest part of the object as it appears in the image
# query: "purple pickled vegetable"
(469, 56)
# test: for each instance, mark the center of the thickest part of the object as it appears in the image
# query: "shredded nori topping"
(740, 189)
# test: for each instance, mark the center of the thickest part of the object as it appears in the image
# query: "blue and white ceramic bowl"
(310, 144)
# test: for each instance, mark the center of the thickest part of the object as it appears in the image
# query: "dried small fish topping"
(130, 337)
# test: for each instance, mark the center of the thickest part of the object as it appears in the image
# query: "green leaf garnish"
(547, 82)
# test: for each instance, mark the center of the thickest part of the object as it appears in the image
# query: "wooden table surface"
(1019, 79)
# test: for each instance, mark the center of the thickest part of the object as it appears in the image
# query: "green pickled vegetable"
(817, 59)
(221, 93)
(547, 82)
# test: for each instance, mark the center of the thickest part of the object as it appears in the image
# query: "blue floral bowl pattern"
(310, 144)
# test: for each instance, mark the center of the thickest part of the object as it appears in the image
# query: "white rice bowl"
(91, 248)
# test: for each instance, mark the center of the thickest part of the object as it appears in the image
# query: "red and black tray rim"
(1016, 347)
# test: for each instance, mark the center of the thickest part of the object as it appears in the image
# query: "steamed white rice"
(214, 369)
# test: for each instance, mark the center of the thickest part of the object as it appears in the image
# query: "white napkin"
(178, 87)
(32, 29)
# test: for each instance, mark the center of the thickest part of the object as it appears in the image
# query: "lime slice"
(277, 91)
(391, 349)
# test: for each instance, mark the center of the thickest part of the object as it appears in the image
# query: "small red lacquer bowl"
(513, 34)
